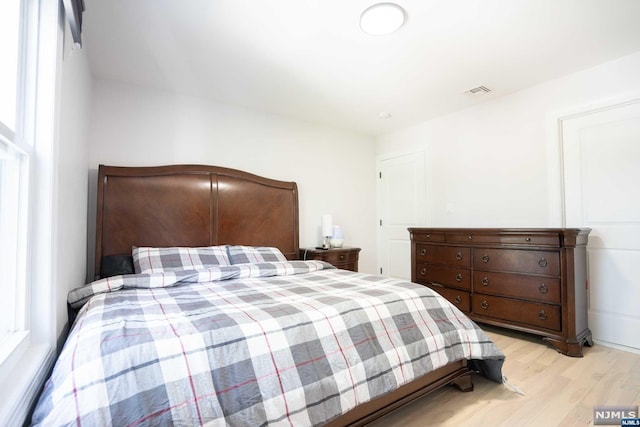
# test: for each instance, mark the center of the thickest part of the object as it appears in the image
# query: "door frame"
(424, 151)
(556, 161)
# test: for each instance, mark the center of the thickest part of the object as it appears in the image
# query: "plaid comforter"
(288, 343)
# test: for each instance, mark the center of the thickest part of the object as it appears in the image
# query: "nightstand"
(345, 258)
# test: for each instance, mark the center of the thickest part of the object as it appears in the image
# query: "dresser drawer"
(471, 237)
(449, 276)
(459, 298)
(449, 255)
(543, 289)
(522, 312)
(426, 235)
(521, 261)
(506, 238)
(551, 239)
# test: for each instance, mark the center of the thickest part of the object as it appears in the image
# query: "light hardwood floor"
(559, 390)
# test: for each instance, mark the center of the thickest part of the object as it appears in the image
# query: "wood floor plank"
(559, 390)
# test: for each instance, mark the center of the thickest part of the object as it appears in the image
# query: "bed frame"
(191, 205)
(195, 205)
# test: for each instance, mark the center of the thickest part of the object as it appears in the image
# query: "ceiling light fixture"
(382, 18)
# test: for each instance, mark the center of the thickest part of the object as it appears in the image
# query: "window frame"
(33, 351)
(13, 256)
(14, 222)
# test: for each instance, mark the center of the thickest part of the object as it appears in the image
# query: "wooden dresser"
(343, 258)
(532, 280)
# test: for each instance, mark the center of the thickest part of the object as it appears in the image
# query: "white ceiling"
(309, 60)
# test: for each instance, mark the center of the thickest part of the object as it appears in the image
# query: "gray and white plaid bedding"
(288, 343)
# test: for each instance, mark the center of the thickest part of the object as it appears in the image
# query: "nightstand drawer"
(342, 258)
(337, 257)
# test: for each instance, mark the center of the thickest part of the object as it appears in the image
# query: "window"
(13, 194)
(9, 42)
(14, 161)
(30, 31)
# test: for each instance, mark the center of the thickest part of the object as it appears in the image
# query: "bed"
(202, 314)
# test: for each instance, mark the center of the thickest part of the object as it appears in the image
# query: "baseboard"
(615, 330)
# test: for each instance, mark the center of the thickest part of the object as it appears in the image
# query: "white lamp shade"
(327, 225)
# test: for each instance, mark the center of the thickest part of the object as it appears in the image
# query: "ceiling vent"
(478, 90)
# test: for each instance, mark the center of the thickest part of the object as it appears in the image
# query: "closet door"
(401, 204)
(601, 152)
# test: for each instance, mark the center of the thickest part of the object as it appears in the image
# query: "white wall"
(497, 164)
(334, 169)
(70, 234)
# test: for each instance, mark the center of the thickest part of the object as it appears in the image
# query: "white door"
(402, 204)
(601, 153)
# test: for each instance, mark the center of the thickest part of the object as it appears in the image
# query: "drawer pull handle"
(459, 256)
(485, 281)
(470, 237)
(458, 299)
(543, 289)
(527, 239)
(341, 256)
(484, 305)
(428, 236)
(423, 271)
(459, 277)
(485, 258)
(542, 315)
(423, 252)
(542, 262)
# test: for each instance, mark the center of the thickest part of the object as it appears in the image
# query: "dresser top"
(524, 236)
(504, 230)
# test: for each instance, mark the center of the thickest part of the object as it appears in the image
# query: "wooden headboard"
(192, 205)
